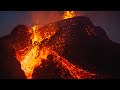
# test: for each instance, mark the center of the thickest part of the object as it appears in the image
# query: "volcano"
(73, 48)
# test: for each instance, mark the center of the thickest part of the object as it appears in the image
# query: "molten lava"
(68, 14)
(29, 60)
(75, 72)
(32, 56)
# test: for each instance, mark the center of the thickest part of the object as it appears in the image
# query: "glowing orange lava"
(68, 14)
(75, 72)
(29, 60)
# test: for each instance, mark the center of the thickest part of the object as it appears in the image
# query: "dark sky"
(109, 20)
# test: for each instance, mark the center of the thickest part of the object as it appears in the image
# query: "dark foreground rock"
(10, 68)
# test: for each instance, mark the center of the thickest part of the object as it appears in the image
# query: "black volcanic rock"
(20, 37)
(77, 40)
(100, 32)
(86, 45)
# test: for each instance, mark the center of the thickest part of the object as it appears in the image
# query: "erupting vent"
(68, 14)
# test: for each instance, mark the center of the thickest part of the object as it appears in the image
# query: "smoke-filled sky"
(109, 20)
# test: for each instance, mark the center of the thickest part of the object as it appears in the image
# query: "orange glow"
(35, 36)
(68, 14)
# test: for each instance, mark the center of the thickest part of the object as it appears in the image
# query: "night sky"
(108, 20)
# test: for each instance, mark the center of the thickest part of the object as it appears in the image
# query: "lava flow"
(33, 56)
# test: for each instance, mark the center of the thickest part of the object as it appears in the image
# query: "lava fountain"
(69, 14)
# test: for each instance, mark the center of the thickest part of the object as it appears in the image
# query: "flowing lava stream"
(34, 56)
